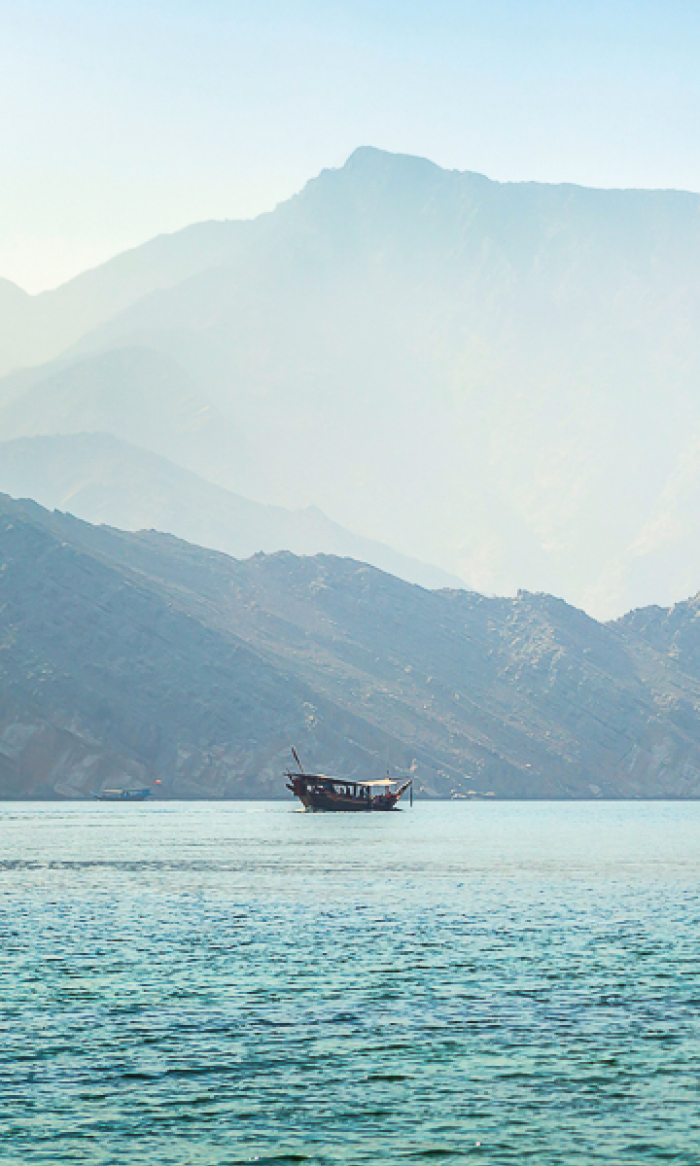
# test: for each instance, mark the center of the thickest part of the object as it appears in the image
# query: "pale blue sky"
(119, 120)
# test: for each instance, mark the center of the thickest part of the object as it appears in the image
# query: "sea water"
(200, 984)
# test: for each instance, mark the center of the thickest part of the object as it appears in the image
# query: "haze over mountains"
(97, 477)
(126, 658)
(500, 379)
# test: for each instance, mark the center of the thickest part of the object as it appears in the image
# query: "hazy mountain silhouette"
(42, 326)
(498, 378)
(103, 480)
(133, 393)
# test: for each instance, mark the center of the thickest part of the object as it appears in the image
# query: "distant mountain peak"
(497, 377)
(369, 160)
(372, 156)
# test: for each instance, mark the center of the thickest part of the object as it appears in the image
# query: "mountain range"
(127, 658)
(104, 480)
(496, 378)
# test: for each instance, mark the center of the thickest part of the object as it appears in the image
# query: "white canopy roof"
(382, 781)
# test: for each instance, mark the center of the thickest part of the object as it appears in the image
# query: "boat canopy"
(380, 781)
(383, 781)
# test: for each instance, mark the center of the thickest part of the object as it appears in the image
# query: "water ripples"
(500, 984)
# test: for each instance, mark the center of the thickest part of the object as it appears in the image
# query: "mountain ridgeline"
(104, 480)
(496, 378)
(129, 658)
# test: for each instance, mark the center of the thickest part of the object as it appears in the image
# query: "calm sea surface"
(207, 984)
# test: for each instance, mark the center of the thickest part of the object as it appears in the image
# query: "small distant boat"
(318, 792)
(123, 795)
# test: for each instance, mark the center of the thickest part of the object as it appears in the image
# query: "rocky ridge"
(126, 658)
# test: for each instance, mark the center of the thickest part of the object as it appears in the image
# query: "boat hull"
(332, 800)
(330, 804)
(124, 796)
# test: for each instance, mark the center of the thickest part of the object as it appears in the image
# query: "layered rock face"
(126, 658)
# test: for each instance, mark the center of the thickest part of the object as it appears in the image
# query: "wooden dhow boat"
(318, 792)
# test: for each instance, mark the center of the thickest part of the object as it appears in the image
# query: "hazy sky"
(122, 119)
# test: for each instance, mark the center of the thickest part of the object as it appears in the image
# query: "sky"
(120, 120)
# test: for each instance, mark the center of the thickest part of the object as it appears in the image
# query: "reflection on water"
(218, 984)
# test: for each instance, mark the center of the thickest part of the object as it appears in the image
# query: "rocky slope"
(130, 657)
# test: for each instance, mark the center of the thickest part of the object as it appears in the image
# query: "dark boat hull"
(315, 800)
(332, 800)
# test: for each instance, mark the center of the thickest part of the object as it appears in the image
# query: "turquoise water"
(482, 983)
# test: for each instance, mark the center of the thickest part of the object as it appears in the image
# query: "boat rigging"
(316, 791)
